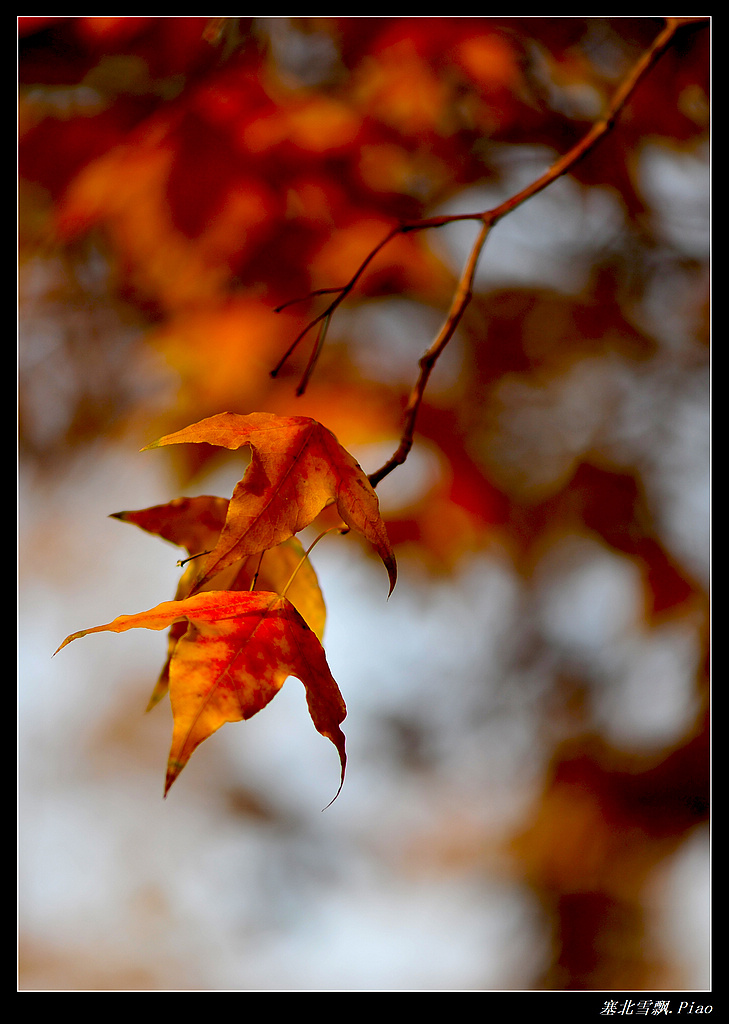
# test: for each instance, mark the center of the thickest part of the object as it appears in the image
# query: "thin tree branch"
(428, 360)
(623, 93)
(489, 218)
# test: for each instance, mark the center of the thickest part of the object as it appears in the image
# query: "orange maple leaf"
(238, 650)
(297, 468)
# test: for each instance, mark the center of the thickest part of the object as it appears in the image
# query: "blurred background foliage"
(179, 178)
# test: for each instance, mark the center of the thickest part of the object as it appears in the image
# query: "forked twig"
(343, 292)
(487, 220)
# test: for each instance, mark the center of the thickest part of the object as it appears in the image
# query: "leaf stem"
(254, 578)
(184, 561)
(332, 529)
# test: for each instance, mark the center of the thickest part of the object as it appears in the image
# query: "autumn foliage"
(248, 228)
(237, 645)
